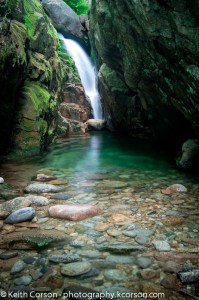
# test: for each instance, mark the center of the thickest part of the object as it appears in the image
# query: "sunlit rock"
(96, 124)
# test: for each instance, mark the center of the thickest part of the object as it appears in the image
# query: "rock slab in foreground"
(74, 212)
(20, 215)
(37, 188)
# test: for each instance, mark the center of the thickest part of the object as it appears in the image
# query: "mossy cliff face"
(147, 55)
(33, 75)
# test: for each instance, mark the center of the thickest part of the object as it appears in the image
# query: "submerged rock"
(63, 258)
(37, 200)
(8, 254)
(76, 268)
(23, 280)
(38, 188)
(174, 188)
(144, 262)
(120, 247)
(1, 180)
(161, 245)
(43, 177)
(74, 212)
(112, 184)
(189, 275)
(115, 275)
(96, 124)
(139, 232)
(21, 215)
(18, 267)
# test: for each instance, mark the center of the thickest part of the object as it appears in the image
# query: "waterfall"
(86, 72)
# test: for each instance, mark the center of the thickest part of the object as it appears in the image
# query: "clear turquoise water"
(103, 151)
(98, 153)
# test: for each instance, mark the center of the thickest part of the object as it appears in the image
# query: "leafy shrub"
(79, 6)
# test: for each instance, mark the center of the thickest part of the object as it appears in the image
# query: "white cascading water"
(86, 72)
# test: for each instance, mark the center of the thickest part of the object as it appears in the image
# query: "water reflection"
(103, 152)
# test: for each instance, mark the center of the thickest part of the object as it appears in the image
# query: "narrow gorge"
(99, 149)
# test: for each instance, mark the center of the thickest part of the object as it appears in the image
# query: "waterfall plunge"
(86, 72)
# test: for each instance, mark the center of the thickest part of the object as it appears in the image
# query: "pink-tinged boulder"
(174, 188)
(74, 212)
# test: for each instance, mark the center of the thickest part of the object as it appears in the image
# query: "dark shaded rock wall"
(148, 61)
(34, 76)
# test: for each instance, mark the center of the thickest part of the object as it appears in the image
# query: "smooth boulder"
(73, 212)
(189, 159)
(174, 188)
(96, 124)
(37, 188)
(64, 19)
(20, 215)
(76, 268)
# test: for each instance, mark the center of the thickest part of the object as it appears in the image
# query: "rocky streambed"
(115, 230)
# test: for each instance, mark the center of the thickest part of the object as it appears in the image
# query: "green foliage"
(12, 4)
(31, 9)
(79, 6)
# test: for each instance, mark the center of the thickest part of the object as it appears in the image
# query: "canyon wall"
(147, 55)
(36, 78)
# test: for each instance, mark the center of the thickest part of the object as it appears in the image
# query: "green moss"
(32, 11)
(38, 95)
(39, 65)
(18, 31)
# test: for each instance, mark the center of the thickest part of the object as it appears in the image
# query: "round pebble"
(18, 267)
(1, 180)
(76, 268)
